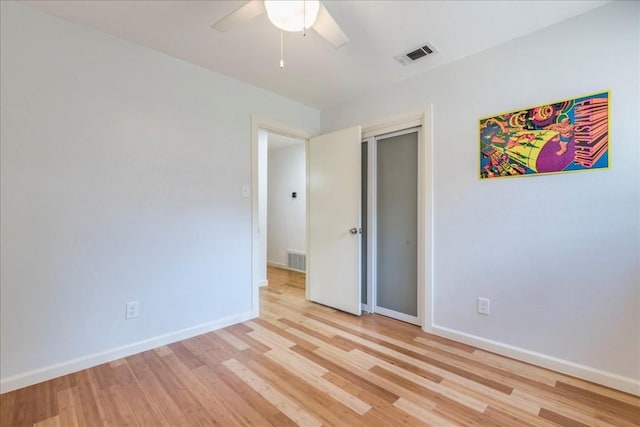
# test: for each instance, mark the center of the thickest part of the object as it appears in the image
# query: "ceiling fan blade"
(327, 27)
(242, 14)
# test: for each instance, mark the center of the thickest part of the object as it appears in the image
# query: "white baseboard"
(276, 264)
(49, 372)
(263, 283)
(283, 266)
(628, 385)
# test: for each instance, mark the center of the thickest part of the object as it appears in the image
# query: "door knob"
(354, 230)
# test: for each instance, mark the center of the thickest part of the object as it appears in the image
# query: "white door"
(333, 270)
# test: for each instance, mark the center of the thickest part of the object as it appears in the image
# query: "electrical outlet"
(483, 306)
(132, 310)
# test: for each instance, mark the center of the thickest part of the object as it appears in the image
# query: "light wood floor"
(305, 364)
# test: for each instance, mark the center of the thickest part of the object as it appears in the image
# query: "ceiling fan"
(288, 15)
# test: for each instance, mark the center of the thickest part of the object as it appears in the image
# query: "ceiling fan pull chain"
(281, 49)
(304, 18)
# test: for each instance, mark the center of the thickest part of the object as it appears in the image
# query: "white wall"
(286, 216)
(121, 180)
(557, 255)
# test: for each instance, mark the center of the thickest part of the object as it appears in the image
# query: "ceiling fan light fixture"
(292, 15)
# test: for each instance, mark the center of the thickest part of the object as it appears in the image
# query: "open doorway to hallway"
(282, 210)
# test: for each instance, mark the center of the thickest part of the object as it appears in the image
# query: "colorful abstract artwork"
(562, 136)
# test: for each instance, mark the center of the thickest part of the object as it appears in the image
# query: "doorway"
(286, 202)
(281, 210)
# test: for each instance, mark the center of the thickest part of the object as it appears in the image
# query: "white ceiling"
(316, 74)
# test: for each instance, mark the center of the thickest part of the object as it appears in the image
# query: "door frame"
(422, 117)
(271, 126)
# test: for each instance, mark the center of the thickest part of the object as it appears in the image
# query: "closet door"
(397, 226)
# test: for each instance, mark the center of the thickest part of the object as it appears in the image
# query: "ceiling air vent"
(415, 54)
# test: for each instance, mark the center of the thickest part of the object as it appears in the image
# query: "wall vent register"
(296, 261)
